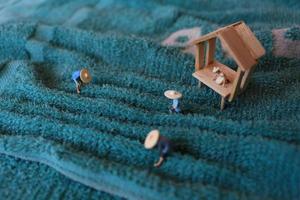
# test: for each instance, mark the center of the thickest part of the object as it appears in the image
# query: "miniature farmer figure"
(153, 140)
(81, 77)
(220, 77)
(174, 96)
(216, 70)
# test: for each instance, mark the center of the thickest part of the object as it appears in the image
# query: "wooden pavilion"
(242, 45)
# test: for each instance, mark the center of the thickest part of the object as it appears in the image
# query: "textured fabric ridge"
(56, 144)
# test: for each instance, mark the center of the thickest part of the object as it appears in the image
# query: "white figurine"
(216, 70)
(221, 79)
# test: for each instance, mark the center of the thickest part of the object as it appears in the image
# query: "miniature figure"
(220, 79)
(174, 96)
(154, 139)
(81, 77)
(216, 70)
(245, 49)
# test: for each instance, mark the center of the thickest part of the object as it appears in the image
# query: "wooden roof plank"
(237, 48)
(205, 38)
(255, 47)
(214, 33)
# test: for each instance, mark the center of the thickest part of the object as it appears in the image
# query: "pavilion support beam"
(222, 103)
(246, 78)
(199, 57)
(210, 51)
(236, 84)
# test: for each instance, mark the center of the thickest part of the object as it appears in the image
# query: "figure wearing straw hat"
(174, 96)
(81, 77)
(155, 139)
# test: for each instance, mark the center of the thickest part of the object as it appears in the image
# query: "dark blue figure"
(164, 148)
(154, 139)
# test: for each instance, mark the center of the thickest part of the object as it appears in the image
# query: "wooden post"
(222, 103)
(199, 57)
(246, 78)
(210, 51)
(236, 84)
(199, 84)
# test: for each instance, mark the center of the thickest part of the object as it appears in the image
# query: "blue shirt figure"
(81, 77)
(174, 96)
(76, 76)
(175, 106)
(77, 80)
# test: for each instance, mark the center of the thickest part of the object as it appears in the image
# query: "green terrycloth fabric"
(56, 144)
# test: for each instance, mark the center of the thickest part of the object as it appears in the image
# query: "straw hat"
(151, 139)
(85, 76)
(172, 94)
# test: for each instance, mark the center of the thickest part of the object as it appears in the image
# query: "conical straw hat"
(85, 76)
(172, 94)
(151, 139)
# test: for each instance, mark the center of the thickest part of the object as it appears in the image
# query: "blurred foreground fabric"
(56, 144)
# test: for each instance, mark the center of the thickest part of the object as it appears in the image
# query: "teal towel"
(56, 144)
